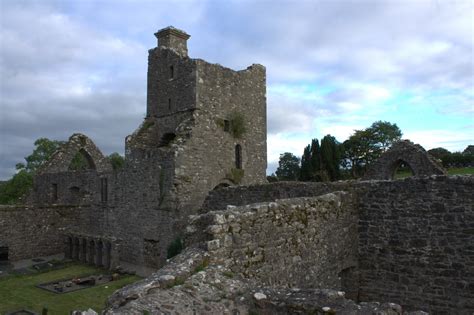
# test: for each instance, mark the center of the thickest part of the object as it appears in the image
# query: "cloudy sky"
(332, 67)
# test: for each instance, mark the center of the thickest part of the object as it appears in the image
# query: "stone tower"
(205, 128)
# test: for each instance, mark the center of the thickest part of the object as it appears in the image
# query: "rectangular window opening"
(226, 125)
(171, 72)
(169, 104)
(55, 192)
(103, 189)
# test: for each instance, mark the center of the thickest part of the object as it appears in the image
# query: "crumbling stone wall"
(413, 155)
(301, 242)
(36, 231)
(243, 195)
(416, 243)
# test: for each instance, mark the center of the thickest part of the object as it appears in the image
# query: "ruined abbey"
(195, 173)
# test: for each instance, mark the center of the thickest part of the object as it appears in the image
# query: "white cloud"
(450, 140)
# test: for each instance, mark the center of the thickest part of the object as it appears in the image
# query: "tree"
(288, 167)
(306, 167)
(330, 157)
(384, 134)
(365, 146)
(116, 160)
(44, 148)
(12, 190)
(321, 162)
(441, 154)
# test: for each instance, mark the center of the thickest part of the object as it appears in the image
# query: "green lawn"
(461, 171)
(451, 171)
(19, 292)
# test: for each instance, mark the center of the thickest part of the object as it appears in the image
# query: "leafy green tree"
(288, 167)
(12, 190)
(116, 160)
(384, 134)
(330, 157)
(306, 166)
(441, 154)
(44, 148)
(321, 162)
(365, 146)
(272, 178)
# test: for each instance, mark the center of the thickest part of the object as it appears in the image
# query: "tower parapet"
(173, 38)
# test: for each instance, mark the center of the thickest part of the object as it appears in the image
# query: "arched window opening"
(167, 139)
(238, 156)
(82, 161)
(402, 170)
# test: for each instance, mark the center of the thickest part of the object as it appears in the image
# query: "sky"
(332, 67)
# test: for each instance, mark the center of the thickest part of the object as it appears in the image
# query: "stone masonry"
(205, 127)
(195, 171)
(413, 155)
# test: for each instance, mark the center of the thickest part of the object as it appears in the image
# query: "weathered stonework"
(413, 155)
(185, 147)
(406, 241)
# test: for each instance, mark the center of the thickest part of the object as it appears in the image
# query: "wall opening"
(171, 72)
(226, 125)
(221, 185)
(103, 190)
(54, 192)
(350, 283)
(3, 253)
(402, 169)
(238, 156)
(82, 161)
(166, 139)
(169, 104)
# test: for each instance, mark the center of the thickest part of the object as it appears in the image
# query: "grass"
(451, 171)
(19, 291)
(461, 171)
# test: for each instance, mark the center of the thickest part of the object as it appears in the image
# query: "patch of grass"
(461, 171)
(228, 274)
(451, 171)
(237, 125)
(20, 291)
(402, 174)
(235, 175)
(202, 265)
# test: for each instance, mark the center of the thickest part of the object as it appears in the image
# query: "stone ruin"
(412, 155)
(195, 173)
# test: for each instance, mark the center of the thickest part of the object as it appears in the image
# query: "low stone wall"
(244, 195)
(301, 242)
(416, 243)
(35, 231)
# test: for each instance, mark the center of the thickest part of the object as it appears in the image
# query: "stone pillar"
(75, 248)
(91, 247)
(68, 247)
(114, 254)
(107, 250)
(98, 253)
(83, 250)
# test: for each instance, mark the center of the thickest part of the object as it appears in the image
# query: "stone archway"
(420, 162)
(78, 145)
